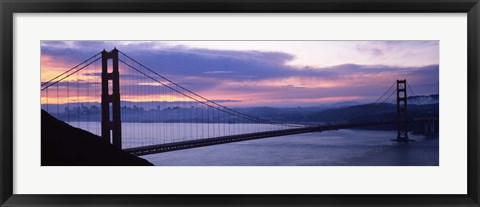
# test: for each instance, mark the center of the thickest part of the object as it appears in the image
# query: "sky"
(256, 73)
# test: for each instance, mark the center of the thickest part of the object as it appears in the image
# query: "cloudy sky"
(265, 73)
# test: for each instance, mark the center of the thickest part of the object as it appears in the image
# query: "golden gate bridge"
(140, 111)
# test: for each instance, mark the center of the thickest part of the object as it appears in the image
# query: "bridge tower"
(111, 121)
(402, 121)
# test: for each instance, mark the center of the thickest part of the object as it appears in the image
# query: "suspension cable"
(199, 101)
(207, 100)
(70, 74)
(251, 118)
(370, 106)
(70, 69)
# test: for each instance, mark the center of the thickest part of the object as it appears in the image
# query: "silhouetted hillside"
(370, 112)
(379, 113)
(64, 145)
(424, 99)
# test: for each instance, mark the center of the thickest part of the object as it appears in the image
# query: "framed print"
(239, 103)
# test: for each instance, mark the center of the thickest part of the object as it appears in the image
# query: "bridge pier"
(111, 121)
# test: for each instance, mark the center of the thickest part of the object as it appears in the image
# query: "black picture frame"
(10, 7)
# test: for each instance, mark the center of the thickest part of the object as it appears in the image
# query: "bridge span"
(152, 149)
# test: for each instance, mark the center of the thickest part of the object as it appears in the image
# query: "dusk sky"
(267, 73)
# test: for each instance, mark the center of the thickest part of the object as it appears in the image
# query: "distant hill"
(149, 105)
(419, 106)
(64, 145)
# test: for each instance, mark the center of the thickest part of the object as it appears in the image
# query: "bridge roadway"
(152, 149)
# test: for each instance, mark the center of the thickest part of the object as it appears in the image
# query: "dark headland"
(64, 145)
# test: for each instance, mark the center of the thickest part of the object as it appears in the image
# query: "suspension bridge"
(140, 111)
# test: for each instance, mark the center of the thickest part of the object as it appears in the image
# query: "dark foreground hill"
(64, 145)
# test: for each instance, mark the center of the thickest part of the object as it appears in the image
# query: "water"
(330, 148)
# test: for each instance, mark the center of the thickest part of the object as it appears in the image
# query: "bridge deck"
(152, 149)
